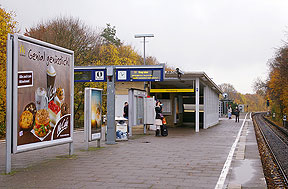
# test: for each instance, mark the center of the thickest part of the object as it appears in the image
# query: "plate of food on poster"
(47, 113)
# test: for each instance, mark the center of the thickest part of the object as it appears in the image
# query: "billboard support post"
(86, 119)
(71, 148)
(9, 104)
(86, 143)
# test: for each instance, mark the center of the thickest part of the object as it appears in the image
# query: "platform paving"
(246, 168)
(184, 159)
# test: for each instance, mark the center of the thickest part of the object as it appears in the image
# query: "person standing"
(229, 111)
(237, 114)
(159, 116)
(126, 110)
(126, 113)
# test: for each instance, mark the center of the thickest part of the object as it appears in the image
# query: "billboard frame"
(12, 95)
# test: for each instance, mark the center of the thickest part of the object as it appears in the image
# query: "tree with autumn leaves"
(275, 87)
(277, 83)
(90, 48)
(7, 25)
(255, 102)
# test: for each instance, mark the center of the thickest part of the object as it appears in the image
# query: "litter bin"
(121, 126)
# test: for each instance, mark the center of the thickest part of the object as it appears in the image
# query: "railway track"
(273, 147)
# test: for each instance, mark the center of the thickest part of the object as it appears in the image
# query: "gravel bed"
(279, 147)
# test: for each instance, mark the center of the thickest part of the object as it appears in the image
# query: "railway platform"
(223, 156)
(246, 168)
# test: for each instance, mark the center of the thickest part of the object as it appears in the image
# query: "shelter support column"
(111, 136)
(131, 113)
(181, 111)
(205, 107)
(197, 105)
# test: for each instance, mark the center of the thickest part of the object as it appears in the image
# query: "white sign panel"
(99, 75)
(122, 75)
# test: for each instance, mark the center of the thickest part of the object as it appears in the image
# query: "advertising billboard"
(93, 113)
(42, 94)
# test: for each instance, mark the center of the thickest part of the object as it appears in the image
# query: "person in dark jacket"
(159, 116)
(237, 114)
(125, 114)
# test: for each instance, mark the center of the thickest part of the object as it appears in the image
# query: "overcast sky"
(230, 40)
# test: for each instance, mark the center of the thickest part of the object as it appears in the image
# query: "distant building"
(223, 104)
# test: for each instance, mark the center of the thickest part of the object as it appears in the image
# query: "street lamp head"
(144, 35)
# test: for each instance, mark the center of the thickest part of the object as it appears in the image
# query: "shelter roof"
(187, 76)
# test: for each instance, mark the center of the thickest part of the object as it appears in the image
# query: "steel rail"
(270, 149)
(281, 129)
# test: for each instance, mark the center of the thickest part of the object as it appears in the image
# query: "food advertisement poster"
(43, 93)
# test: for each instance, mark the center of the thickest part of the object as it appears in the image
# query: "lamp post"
(144, 36)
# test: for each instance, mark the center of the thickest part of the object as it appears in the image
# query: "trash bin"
(121, 127)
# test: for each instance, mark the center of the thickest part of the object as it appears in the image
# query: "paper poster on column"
(96, 113)
(43, 94)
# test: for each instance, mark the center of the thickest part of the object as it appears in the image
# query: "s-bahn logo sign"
(99, 75)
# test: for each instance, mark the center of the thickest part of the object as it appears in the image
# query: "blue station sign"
(121, 73)
(140, 74)
(90, 75)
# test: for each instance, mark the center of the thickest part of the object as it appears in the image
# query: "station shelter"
(190, 99)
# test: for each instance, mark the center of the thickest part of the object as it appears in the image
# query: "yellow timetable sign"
(171, 90)
(145, 75)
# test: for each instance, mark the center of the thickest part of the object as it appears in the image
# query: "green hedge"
(2, 130)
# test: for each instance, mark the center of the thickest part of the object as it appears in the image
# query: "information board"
(83, 76)
(143, 74)
(90, 75)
